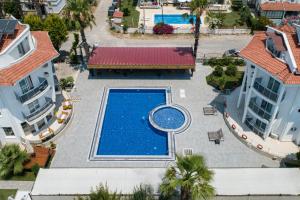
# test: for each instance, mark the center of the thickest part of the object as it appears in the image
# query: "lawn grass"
(231, 82)
(26, 176)
(133, 19)
(231, 20)
(5, 193)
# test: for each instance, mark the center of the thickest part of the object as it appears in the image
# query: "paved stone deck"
(74, 145)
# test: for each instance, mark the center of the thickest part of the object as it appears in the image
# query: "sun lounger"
(216, 135)
(209, 110)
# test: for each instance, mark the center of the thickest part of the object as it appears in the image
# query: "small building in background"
(118, 17)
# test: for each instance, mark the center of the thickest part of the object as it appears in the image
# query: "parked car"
(231, 52)
(111, 11)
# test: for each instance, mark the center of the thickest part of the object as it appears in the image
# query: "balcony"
(265, 91)
(259, 131)
(34, 92)
(42, 110)
(259, 111)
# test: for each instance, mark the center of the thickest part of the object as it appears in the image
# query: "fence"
(186, 30)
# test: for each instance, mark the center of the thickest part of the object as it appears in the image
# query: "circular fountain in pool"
(170, 118)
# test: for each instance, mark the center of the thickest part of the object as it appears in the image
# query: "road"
(101, 35)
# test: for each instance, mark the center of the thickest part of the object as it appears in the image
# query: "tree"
(13, 7)
(11, 160)
(236, 5)
(80, 12)
(57, 30)
(34, 21)
(101, 193)
(197, 7)
(191, 175)
(215, 20)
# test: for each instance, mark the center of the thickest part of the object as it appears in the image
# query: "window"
(8, 131)
(260, 124)
(21, 49)
(26, 84)
(273, 85)
(266, 106)
(41, 124)
(293, 129)
(34, 106)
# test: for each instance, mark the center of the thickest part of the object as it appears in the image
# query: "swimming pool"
(173, 19)
(124, 129)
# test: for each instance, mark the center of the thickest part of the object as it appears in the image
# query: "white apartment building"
(27, 86)
(47, 6)
(276, 10)
(270, 91)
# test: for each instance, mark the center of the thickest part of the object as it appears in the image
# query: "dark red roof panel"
(122, 56)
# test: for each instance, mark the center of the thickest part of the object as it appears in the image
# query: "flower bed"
(162, 28)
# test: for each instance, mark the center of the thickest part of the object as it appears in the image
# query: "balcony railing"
(34, 92)
(259, 111)
(265, 91)
(36, 114)
(259, 131)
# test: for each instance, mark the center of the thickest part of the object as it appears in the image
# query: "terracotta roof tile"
(280, 6)
(142, 56)
(256, 52)
(44, 52)
(118, 14)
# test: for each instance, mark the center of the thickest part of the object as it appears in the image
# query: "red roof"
(256, 52)
(142, 56)
(118, 14)
(280, 6)
(44, 52)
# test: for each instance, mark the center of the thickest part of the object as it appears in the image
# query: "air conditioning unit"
(46, 74)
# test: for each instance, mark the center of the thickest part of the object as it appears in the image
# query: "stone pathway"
(20, 185)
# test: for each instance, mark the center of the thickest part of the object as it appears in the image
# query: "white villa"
(270, 92)
(276, 10)
(48, 6)
(27, 86)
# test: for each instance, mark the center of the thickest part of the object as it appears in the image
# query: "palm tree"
(11, 160)
(197, 7)
(80, 12)
(191, 175)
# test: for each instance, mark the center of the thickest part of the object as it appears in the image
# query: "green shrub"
(142, 192)
(126, 12)
(239, 62)
(66, 82)
(35, 169)
(74, 58)
(231, 70)
(218, 71)
(125, 27)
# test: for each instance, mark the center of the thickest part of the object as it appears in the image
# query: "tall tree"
(197, 7)
(34, 21)
(191, 175)
(80, 12)
(57, 30)
(11, 160)
(13, 7)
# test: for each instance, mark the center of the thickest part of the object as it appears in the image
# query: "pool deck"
(192, 93)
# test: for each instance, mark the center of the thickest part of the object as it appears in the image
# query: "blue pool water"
(126, 129)
(168, 118)
(173, 19)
